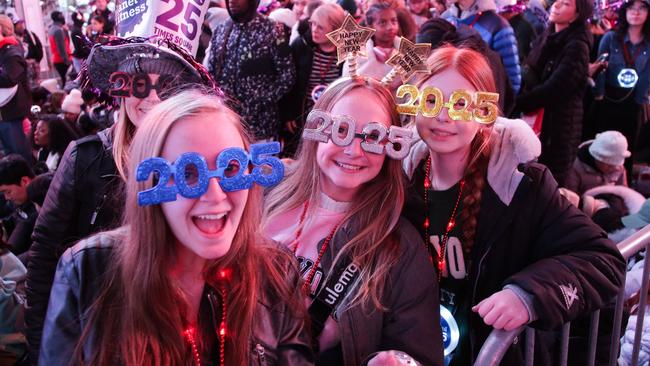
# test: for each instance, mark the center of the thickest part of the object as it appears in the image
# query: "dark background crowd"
(577, 72)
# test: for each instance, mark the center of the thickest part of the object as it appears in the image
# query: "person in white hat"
(599, 162)
(71, 106)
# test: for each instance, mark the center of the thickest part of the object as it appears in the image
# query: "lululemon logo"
(340, 285)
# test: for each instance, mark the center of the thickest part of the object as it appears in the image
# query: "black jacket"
(80, 42)
(84, 198)
(280, 337)
(13, 71)
(34, 46)
(294, 104)
(539, 242)
(556, 81)
(411, 321)
(24, 218)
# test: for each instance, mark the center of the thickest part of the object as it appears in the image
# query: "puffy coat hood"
(513, 143)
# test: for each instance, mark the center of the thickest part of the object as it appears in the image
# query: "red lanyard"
(478, 16)
(326, 70)
(629, 61)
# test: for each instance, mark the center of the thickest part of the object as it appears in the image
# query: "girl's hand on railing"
(503, 310)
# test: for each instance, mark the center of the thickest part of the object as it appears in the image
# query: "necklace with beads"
(450, 224)
(221, 333)
(310, 276)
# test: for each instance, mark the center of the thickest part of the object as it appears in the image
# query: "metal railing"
(499, 341)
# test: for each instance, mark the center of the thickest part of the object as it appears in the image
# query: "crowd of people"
(340, 229)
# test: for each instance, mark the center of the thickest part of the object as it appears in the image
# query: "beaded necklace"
(190, 332)
(307, 284)
(450, 224)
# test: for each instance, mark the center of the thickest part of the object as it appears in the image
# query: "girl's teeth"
(211, 217)
(347, 166)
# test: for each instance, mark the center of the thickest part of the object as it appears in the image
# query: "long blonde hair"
(122, 136)
(375, 209)
(127, 323)
(475, 68)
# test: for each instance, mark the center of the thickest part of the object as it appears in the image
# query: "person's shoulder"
(93, 250)
(408, 232)
(99, 242)
(608, 37)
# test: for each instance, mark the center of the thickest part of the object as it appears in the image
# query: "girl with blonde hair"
(84, 197)
(338, 210)
(188, 281)
(315, 58)
(509, 249)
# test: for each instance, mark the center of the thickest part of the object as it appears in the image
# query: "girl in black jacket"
(510, 250)
(84, 197)
(188, 279)
(555, 81)
(316, 67)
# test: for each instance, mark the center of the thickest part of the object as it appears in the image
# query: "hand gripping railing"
(499, 341)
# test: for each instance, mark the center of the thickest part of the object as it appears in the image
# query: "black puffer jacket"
(13, 71)
(556, 81)
(542, 244)
(279, 336)
(84, 197)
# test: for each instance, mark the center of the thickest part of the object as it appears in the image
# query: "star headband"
(191, 174)
(350, 41)
(375, 137)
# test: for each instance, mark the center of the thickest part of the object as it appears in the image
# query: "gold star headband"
(410, 58)
(350, 41)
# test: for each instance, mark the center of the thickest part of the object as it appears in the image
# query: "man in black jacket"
(33, 51)
(15, 98)
(251, 61)
(15, 176)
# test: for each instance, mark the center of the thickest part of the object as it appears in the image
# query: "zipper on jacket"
(261, 354)
(97, 209)
(211, 300)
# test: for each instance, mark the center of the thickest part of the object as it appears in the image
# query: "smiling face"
(442, 134)
(204, 227)
(137, 108)
(343, 170)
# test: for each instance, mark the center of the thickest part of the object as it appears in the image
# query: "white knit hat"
(51, 85)
(72, 102)
(610, 147)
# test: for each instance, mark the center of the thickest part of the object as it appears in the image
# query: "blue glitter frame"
(260, 155)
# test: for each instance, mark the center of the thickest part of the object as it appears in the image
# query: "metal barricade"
(499, 341)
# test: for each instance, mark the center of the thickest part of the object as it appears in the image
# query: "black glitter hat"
(140, 55)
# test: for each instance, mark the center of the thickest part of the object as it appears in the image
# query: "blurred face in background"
(101, 5)
(319, 30)
(42, 134)
(97, 27)
(563, 12)
(386, 26)
(299, 8)
(419, 7)
(636, 14)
